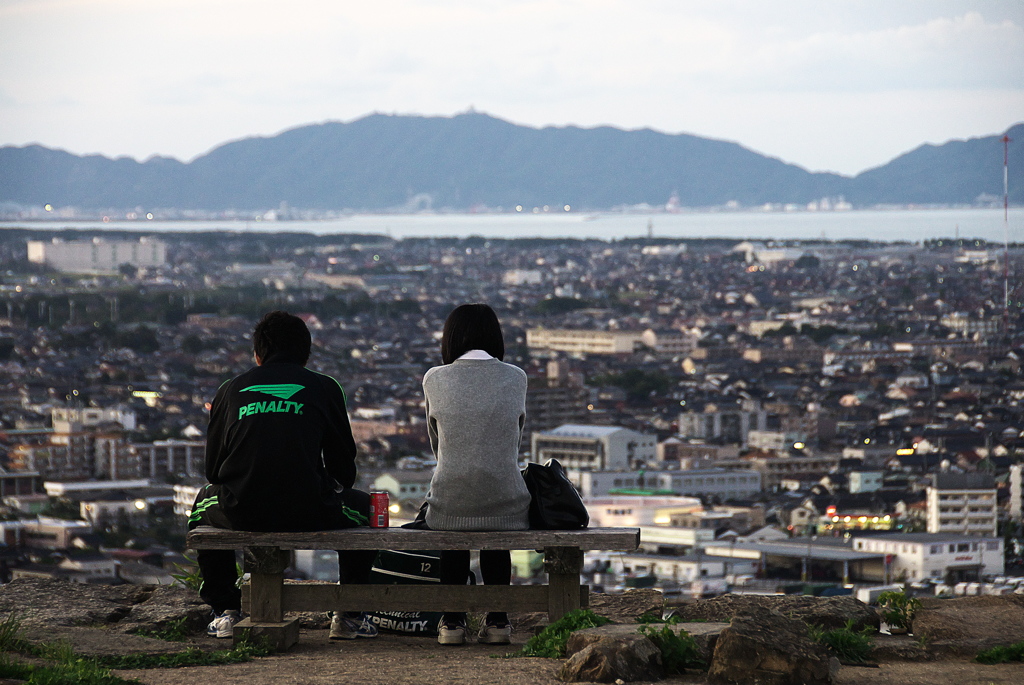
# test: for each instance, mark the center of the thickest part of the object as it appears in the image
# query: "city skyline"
(843, 87)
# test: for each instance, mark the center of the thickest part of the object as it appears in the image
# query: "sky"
(837, 85)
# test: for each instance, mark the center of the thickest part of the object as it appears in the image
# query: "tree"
(61, 508)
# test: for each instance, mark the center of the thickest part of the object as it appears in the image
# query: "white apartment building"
(864, 481)
(773, 440)
(681, 569)
(405, 483)
(668, 342)
(633, 511)
(162, 458)
(522, 277)
(731, 424)
(94, 416)
(593, 448)
(721, 483)
(962, 503)
(185, 496)
(582, 341)
(97, 256)
(943, 556)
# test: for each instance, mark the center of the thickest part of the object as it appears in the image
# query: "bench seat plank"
(331, 596)
(605, 539)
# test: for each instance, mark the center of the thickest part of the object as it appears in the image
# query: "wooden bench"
(267, 598)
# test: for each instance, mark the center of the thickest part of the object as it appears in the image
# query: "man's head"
(283, 337)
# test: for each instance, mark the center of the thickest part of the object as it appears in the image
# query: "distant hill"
(386, 162)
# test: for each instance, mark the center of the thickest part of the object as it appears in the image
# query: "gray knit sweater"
(475, 414)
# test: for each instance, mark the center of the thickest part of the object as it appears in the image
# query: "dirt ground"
(948, 633)
(400, 660)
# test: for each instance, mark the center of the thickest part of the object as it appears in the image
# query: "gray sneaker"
(222, 626)
(451, 633)
(495, 634)
(348, 628)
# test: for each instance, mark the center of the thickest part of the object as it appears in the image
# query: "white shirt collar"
(476, 354)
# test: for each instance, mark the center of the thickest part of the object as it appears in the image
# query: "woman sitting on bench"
(476, 408)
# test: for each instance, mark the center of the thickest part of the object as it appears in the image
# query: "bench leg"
(563, 566)
(266, 567)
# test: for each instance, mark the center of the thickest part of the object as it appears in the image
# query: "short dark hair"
(282, 336)
(471, 327)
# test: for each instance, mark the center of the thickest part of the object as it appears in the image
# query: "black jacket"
(281, 448)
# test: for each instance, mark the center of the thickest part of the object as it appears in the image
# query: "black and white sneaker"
(222, 626)
(349, 628)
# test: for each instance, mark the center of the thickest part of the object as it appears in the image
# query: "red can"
(379, 510)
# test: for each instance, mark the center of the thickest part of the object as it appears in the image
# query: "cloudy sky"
(838, 85)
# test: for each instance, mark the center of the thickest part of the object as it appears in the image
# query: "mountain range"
(382, 162)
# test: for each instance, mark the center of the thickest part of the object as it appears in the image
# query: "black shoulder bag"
(554, 502)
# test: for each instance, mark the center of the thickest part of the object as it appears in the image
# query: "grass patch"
(246, 650)
(551, 641)
(175, 631)
(1002, 654)
(849, 645)
(69, 668)
(678, 652)
(77, 672)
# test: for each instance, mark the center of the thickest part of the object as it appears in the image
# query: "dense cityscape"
(846, 414)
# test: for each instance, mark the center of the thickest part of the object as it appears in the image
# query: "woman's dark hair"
(282, 336)
(471, 327)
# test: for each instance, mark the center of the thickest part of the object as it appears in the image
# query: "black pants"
(219, 588)
(495, 567)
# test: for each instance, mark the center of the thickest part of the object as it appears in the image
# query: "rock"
(624, 608)
(165, 606)
(767, 648)
(628, 606)
(704, 634)
(125, 608)
(627, 658)
(826, 612)
(966, 625)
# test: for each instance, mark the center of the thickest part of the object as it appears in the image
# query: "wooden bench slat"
(323, 597)
(628, 539)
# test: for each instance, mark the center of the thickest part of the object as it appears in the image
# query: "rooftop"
(584, 431)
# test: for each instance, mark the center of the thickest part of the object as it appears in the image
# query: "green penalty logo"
(282, 406)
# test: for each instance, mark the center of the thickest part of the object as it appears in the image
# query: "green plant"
(10, 634)
(175, 631)
(551, 641)
(1002, 654)
(60, 651)
(898, 609)
(188, 576)
(849, 645)
(678, 650)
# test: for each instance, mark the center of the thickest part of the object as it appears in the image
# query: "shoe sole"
(496, 641)
(451, 639)
(350, 637)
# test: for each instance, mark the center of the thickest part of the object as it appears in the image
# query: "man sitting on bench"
(279, 457)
